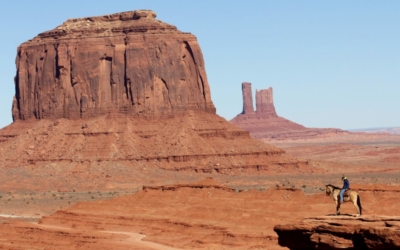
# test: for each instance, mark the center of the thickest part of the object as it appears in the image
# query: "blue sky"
(330, 63)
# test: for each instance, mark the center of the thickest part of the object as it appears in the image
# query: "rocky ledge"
(342, 232)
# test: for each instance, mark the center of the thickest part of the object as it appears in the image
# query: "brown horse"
(352, 196)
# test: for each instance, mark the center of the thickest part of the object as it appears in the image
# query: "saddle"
(345, 194)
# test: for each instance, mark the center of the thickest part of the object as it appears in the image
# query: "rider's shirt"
(346, 184)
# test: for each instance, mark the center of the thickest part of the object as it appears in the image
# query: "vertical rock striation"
(127, 62)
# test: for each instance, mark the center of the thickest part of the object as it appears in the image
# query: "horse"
(352, 196)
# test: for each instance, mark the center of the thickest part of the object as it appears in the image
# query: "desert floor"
(163, 209)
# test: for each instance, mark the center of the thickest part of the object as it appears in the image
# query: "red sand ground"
(204, 215)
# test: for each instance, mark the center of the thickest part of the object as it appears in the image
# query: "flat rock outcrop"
(265, 123)
(126, 62)
(342, 232)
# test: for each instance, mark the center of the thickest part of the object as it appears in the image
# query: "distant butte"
(264, 123)
(265, 118)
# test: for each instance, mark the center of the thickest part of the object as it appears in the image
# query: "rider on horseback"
(346, 185)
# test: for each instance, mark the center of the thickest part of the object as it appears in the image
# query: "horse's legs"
(357, 207)
(337, 207)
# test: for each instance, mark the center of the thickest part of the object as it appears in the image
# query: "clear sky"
(330, 63)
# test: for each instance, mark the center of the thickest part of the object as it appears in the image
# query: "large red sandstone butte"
(121, 91)
(265, 123)
(127, 62)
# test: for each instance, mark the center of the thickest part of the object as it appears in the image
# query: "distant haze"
(394, 130)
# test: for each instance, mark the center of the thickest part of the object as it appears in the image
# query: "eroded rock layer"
(126, 62)
(197, 142)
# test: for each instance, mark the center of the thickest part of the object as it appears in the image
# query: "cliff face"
(126, 62)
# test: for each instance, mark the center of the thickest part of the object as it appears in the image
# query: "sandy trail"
(19, 216)
(133, 239)
(136, 240)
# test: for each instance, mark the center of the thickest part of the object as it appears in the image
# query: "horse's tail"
(359, 203)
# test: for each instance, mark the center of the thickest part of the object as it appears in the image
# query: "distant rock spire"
(247, 98)
(265, 102)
